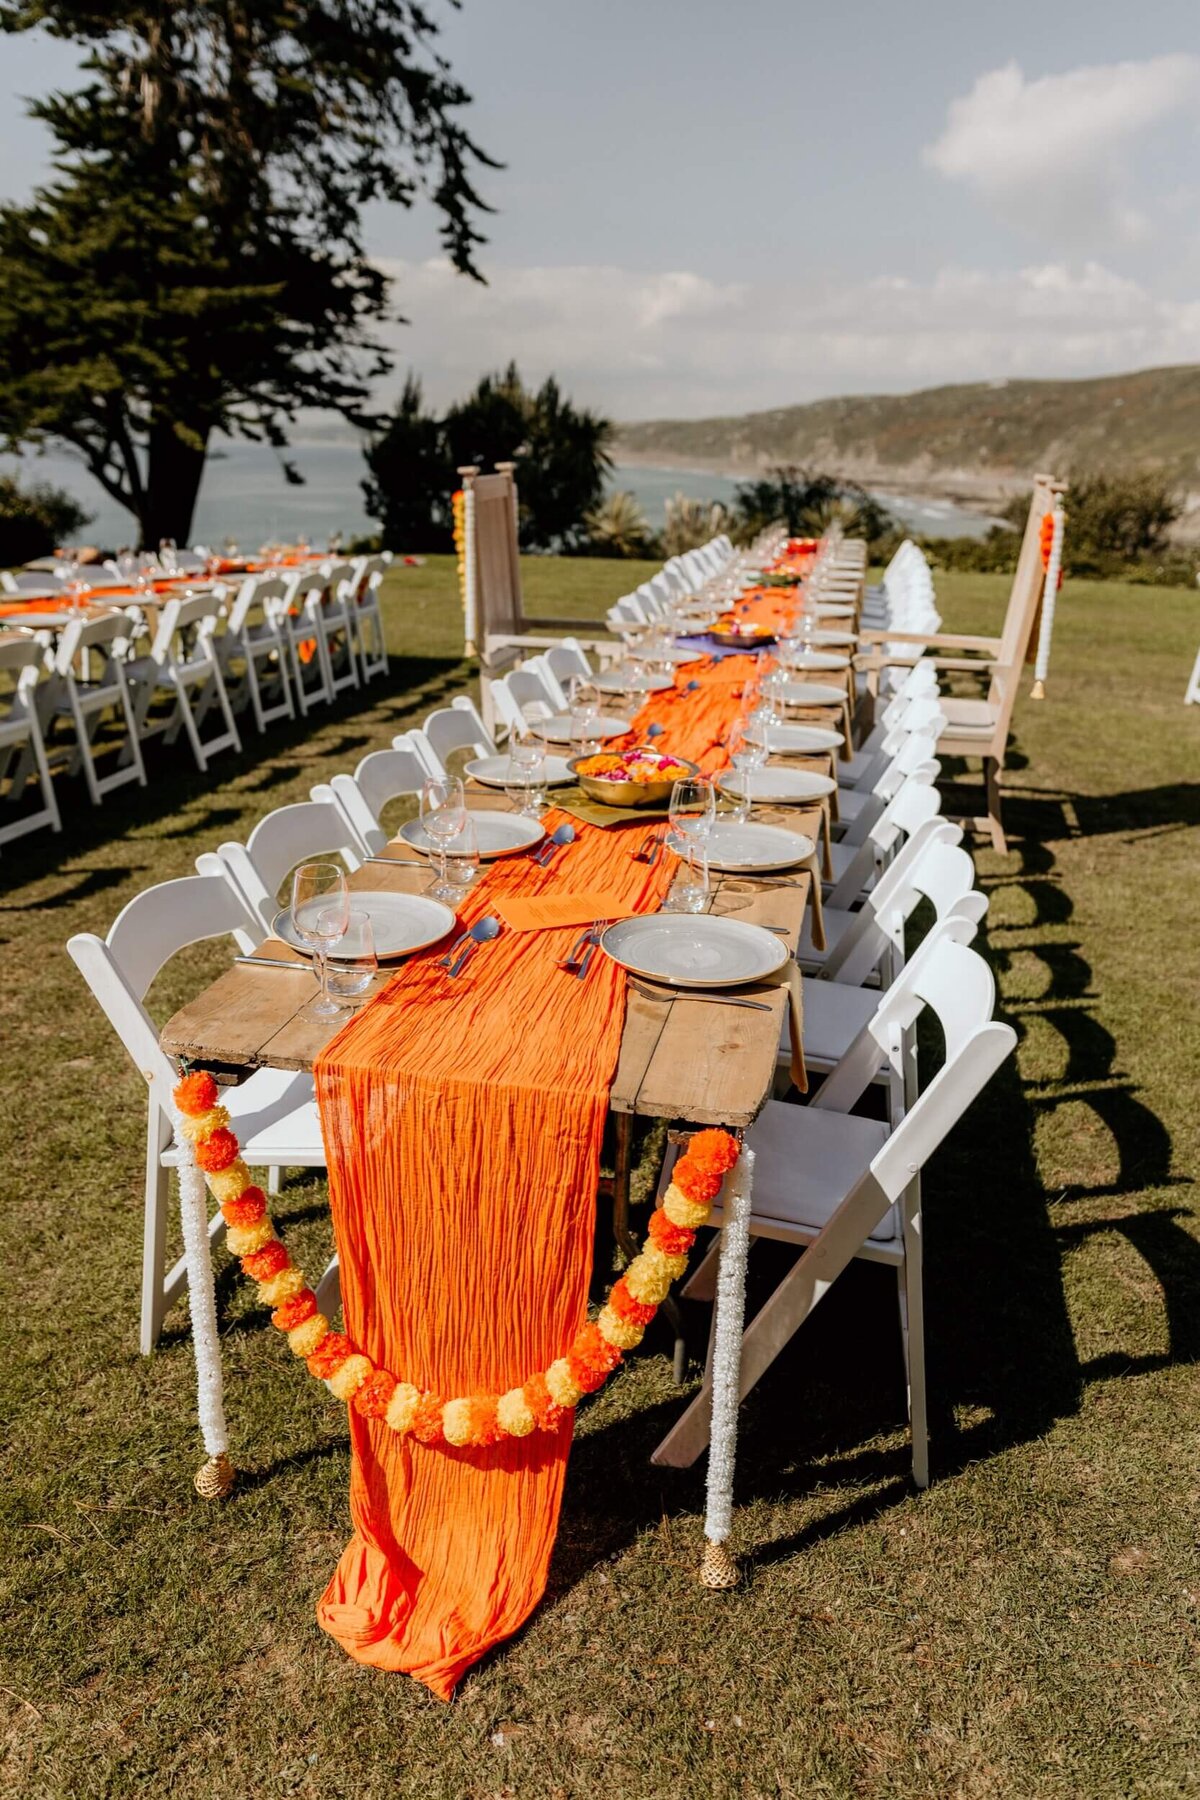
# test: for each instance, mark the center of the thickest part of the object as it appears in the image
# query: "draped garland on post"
(1053, 524)
(207, 1144)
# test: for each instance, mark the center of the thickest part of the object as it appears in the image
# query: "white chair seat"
(275, 1117)
(850, 804)
(806, 1162)
(834, 1014)
(836, 922)
(968, 715)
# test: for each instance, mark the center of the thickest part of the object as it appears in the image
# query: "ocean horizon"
(245, 496)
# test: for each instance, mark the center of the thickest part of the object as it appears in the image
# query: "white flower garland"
(1041, 667)
(727, 1349)
(202, 1301)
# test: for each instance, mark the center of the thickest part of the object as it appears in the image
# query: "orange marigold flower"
(638, 1312)
(713, 1150)
(293, 1312)
(427, 1420)
(590, 1359)
(260, 1265)
(249, 1207)
(217, 1150)
(330, 1354)
(545, 1410)
(672, 1240)
(196, 1094)
(485, 1426)
(372, 1398)
(695, 1182)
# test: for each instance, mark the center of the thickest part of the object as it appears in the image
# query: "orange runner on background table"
(462, 1123)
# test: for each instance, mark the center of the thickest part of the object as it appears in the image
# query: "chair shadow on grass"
(827, 1422)
(175, 785)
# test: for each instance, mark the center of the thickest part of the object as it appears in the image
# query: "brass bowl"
(630, 793)
(742, 640)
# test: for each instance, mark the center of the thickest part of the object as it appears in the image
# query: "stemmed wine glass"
(693, 813)
(320, 912)
(747, 757)
(526, 765)
(443, 816)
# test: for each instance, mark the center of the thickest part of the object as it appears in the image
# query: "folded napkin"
(790, 977)
(548, 911)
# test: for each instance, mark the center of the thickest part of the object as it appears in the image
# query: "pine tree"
(197, 263)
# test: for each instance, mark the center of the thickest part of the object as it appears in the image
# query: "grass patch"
(1029, 1626)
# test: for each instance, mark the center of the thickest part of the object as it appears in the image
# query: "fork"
(570, 962)
(593, 946)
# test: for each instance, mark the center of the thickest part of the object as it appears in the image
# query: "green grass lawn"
(1029, 1626)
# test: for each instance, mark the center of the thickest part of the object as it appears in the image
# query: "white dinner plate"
(813, 693)
(796, 740)
(849, 638)
(400, 923)
(617, 683)
(750, 849)
(558, 729)
(813, 660)
(673, 657)
(497, 834)
(492, 771)
(778, 787)
(833, 609)
(698, 950)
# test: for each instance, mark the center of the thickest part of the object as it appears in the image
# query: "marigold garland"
(474, 1420)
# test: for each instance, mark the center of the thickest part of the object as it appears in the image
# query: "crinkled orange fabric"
(462, 1124)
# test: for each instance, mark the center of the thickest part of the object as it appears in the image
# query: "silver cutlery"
(558, 840)
(669, 995)
(649, 850)
(585, 965)
(584, 948)
(273, 962)
(482, 932)
(454, 949)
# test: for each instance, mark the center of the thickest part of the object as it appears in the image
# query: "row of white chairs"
(680, 575)
(278, 646)
(834, 1184)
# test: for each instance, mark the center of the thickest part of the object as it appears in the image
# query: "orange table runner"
(463, 1123)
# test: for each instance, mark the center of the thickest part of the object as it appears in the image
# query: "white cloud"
(1053, 153)
(640, 345)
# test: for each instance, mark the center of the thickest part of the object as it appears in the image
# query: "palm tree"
(618, 527)
(691, 523)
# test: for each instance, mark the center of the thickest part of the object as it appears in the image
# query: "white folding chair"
(566, 660)
(22, 747)
(858, 808)
(456, 727)
(522, 697)
(273, 1113)
(290, 835)
(366, 619)
(856, 865)
(89, 685)
(840, 1186)
(382, 776)
(182, 662)
(254, 636)
(325, 617)
(862, 945)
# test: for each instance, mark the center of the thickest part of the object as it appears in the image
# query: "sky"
(713, 208)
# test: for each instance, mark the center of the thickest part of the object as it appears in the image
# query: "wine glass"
(462, 857)
(352, 964)
(320, 909)
(585, 713)
(522, 784)
(746, 757)
(693, 812)
(443, 815)
(168, 558)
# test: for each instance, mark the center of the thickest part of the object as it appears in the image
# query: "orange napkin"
(550, 910)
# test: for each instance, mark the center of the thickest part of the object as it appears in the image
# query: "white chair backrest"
(154, 926)
(568, 659)
(273, 593)
(303, 832)
(542, 668)
(453, 728)
(109, 634)
(919, 870)
(908, 809)
(382, 776)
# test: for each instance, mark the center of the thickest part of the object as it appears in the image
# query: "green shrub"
(35, 520)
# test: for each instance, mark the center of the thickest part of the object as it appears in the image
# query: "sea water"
(246, 496)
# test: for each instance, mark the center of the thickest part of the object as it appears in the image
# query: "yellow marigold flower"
(561, 1384)
(622, 1334)
(402, 1406)
(689, 1214)
(284, 1286)
(345, 1381)
(200, 1124)
(227, 1184)
(513, 1414)
(242, 1239)
(646, 1280)
(456, 1421)
(303, 1339)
